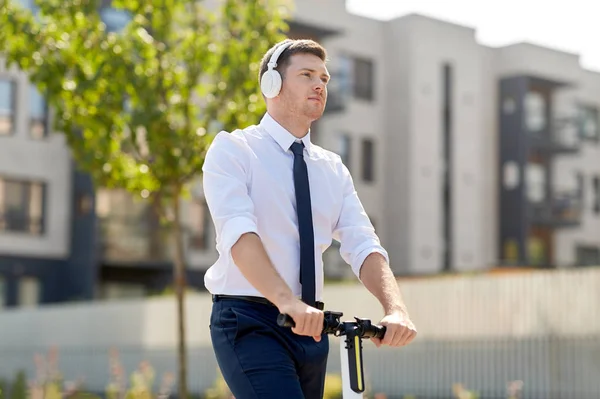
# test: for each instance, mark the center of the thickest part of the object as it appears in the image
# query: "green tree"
(140, 105)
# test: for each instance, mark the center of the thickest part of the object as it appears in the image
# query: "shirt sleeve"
(226, 172)
(354, 230)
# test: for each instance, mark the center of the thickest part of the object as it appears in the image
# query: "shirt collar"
(281, 135)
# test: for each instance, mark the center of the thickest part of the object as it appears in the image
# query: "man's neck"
(298, 128)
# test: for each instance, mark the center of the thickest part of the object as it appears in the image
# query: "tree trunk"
(180, 283)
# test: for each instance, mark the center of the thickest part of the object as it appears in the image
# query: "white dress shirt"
(249, 187)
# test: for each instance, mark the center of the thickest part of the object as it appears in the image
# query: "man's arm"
(226, 168)
(362, 250)
(250, 257)
(379, 279)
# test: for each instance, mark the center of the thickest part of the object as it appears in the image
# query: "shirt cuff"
(234, 229)
(362, 255)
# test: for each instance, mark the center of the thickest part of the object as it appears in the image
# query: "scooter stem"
(353, 378)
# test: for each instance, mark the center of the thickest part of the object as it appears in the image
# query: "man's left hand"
(400, 330)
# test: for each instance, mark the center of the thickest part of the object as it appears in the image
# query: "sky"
(572, 26)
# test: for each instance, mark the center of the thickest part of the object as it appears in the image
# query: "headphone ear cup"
(270, 83)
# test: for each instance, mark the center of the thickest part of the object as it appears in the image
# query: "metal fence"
(549, 367)
(479, 332)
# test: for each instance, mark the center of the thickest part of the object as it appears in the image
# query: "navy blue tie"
(305, 225)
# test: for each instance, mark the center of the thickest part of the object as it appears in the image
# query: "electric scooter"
(353, 379)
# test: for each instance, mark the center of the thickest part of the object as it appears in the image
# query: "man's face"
(304, 88)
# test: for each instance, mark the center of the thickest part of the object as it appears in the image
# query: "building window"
(535, 111)
(356, 77)
(509, 106)
(368, 156)
(199, 225)
(363, 79)
(589, 123)
(536, 182)
(510, 175)
(345, 149)
(38, 124)
(22, 206)
(344, 76)
(7, 106)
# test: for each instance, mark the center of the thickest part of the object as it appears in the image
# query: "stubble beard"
(312, 111)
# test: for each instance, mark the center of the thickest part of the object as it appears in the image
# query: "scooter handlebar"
(332, 325)
(369, 330)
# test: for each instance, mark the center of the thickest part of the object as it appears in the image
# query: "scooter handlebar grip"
(284, 320)
(379, 331)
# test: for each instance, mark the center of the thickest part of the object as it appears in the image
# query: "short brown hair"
(298, 46)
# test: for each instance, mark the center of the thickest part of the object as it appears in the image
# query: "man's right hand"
(308, 320)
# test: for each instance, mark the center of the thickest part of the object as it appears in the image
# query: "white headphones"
(270, 82)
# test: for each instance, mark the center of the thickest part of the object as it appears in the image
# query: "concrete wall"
(490, 159)
(425, 46)
(397, 236)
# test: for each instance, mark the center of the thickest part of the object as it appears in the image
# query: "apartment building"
(48, 240)
(465, 157)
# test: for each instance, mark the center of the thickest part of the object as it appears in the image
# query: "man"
(277, 200)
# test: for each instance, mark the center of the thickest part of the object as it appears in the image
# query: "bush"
(220, 390)
(49, 383)
(141, 381)
(3, 389)
(333, 387)
(18, 390)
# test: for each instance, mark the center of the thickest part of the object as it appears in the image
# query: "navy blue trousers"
(259, 359)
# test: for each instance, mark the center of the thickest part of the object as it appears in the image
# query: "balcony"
(561, 209)
(562, 136)
(132, 241)
(130, 234)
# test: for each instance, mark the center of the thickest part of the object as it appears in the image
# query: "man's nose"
(320, 86)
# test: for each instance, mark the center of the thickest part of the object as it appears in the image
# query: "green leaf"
(150, 94)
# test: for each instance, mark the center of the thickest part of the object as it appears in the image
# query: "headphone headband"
(273, 61)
